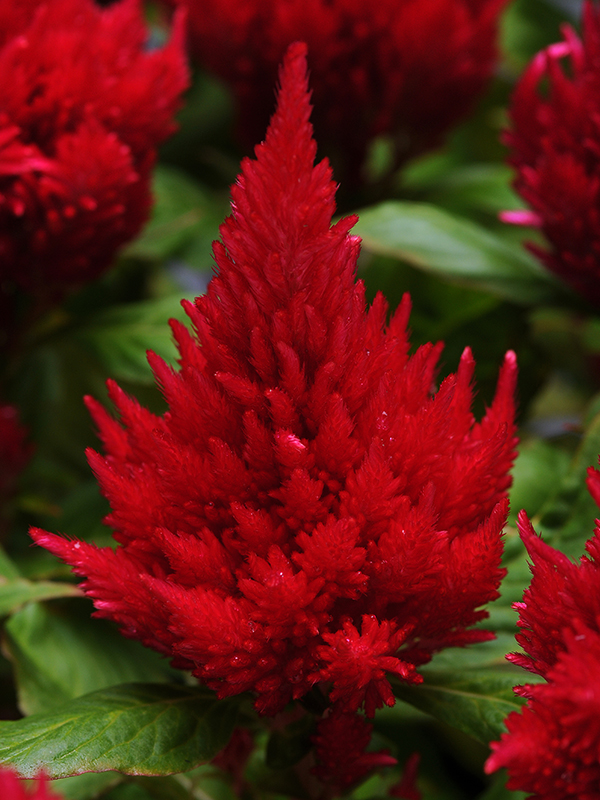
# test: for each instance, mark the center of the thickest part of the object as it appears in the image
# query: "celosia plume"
(308, 511)
(13, 788)
(84, 104)
(406, 68)
(552, 748)
(554, 145)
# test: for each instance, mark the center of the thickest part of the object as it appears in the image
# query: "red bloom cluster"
(555, 147)
(13, 788)
(407, 68)
(83, 105)
(308, 511)
(552, 747)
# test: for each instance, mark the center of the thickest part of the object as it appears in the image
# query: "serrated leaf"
(17, 592)
(474, 701)
(120, 336)
(59, 652)
(136, 729)
(454, 248)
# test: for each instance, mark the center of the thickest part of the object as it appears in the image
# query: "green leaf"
(120, 336)
(474, 701)
(87, 786)
(182, 208)
(567, 519)
(59, 652)
(137, 729)
(539, 468)
(17, 592)
(455, 249)
(8, 569)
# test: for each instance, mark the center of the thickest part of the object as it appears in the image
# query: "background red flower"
(554, 143)
(84, 102)
(407, 68)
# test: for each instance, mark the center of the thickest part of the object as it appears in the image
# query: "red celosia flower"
(340, 744)
(13, 788)
(555, 147)
(552, 747)
(307, 511)
(84, 104)
(407, 788)
(407, 68)
(543, 619)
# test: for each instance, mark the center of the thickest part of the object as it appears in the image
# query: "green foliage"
(454, 249)
(136, 729)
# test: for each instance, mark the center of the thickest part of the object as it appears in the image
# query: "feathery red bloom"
(13, 788)
(84, 103)
(555, 147)
(561, 595)
(307, 511)
(552, 747)
(407, 68)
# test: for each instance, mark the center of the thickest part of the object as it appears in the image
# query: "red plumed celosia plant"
(554, 145)
(309, 510)
(406, 68)
(83, 105)
(552, 747)
(13, 788)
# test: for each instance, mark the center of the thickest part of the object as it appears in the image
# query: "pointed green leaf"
(457, 249)
(120, 336)
(17, 592)
(474, 701)
(137, 729)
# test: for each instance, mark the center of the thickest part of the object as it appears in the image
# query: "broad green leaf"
(120, 336)
(136, 729)
(18, 592)
(474, 701)
(476, 656)
(180, 207)
(539, 468)
(456, 249)
(8, 569)
(59, 652)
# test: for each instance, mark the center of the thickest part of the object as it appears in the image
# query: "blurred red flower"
(407, 68)
(554, 145)
(84, 102)
(552, 746)
(309, 510)
(13, 788)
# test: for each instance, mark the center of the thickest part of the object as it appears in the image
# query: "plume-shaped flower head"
(406, 68)
(307, 511)
(84, 104)
(552, 746)
(554, 144)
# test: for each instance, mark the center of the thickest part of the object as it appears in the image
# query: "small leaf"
(137, 729)
(453, 248)
(120, 336)
(17, 592)
(474, 701)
